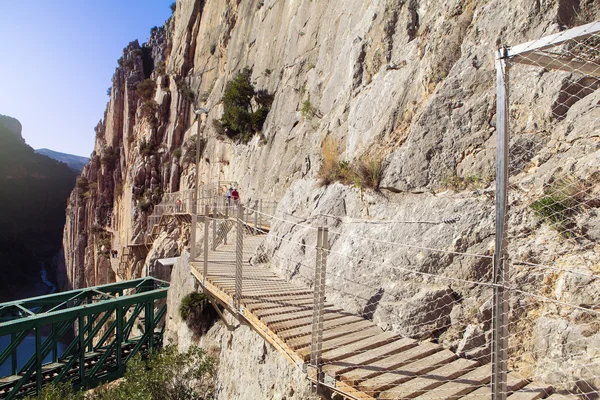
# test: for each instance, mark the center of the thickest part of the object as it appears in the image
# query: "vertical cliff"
(406, 82)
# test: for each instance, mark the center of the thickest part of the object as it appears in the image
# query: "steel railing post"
(119, 317)
(214, 242)
(205, 270)
(239, 254)
(318, 306)
(500, 268)
(260, 209)
(194, 210)
(38, 360)
(13, 339)
(81, 332)
(255, 218)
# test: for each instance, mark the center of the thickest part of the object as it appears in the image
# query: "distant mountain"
(75, 162)
(33, 196)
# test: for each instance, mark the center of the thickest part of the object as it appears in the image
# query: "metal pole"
(55, 346)
(500, 269)
(255, 219)
(81, 351)
(205, 271)
(119, 316)
(239, 254)
(214, 242)
(13, 339)
(260, 208)
(150, 321)
(38, 360)
(315, 355)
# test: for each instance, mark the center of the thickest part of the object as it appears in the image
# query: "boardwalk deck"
(365, 362)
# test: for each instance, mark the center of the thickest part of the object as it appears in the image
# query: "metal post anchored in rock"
(316, 347)
(239, 254)
(205, 272)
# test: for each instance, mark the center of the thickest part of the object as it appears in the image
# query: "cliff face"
(33, 194)
(410, 82)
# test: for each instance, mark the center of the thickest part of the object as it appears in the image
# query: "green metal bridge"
(84, 336)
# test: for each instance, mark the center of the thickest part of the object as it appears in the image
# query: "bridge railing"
(83, 336)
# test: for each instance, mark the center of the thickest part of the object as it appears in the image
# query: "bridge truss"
(86, 336)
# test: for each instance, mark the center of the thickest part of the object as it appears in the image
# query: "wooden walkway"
(359, 358)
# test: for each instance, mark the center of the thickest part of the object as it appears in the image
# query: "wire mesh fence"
(552, 256)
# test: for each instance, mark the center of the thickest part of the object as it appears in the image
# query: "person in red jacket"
(235, 196)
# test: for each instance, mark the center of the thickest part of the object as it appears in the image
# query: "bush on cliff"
(240, 120)
(196, 311)
(166, 375)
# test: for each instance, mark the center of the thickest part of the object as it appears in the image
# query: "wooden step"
(346, 323)
(390, 379)
(343, 365)
(532, 391)
(342, 341)
(423, 384)
(514, 382)
(354, 377)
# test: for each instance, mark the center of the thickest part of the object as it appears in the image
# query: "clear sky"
(57, 58)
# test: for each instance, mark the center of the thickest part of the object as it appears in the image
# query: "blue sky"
(57, 58)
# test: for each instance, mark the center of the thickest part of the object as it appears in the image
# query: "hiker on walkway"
(228, 195)
(235, 196)
(178, 205)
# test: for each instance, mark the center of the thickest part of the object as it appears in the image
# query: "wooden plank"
(390, 379)
(347, 389)
(514, 382)
(423, 384)
(306, 321)
(358, 375)
(274, 319)
(558, 396)
(342, 341)
(532, 391)
(331, 330)
(462, 385)
(266, 305)
(361, 346)
(280, 309)
(336, 368)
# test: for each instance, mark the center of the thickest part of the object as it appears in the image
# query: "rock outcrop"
(407, 82)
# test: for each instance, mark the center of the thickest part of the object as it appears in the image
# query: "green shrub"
(185, 89)
(370, 170)
(82, 184)
(144, 203)
(268, 72)
(147, 148)
(177, 152)
(239, 120)
(173, 6)
(197, 312)
(166, 375)
(308, 110)
(109, 156)
(149, 108)
(213, 48)
(563, 198)
(146, 89)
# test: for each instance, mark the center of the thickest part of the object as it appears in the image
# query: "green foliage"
(564, 197)
(59, 391)
(239, 120)
(308, 110)
(177, 152)
(366, 172)
(160, 68)
(119, 189)
(146, 89)
(197, 312)
(213, 48)
(147, 148)
(173, 6)
(109, 156)
(190, 303)
(185, 89)
(166, 375)
(268, 72)
(144, 203)
(149, 109)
